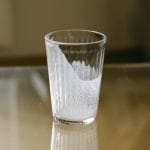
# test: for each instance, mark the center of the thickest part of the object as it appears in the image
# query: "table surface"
(122, 123)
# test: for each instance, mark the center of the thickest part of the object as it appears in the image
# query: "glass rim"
(101, 41)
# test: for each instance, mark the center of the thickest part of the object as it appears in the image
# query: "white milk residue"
(73, 97)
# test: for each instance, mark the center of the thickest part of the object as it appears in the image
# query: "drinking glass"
(75, 62)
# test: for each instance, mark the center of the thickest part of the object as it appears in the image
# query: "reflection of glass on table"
(65, 137)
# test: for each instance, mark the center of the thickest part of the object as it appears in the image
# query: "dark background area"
(23, 25)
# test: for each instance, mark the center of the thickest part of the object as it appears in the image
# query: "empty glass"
(75, 62)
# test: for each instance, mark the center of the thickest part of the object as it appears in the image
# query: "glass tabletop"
(123, 119)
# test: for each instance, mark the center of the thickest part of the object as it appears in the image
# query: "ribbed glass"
(75, 62)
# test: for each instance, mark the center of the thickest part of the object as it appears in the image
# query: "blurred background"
(24, 23)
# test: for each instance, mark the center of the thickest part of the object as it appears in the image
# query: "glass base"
(70, 122)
